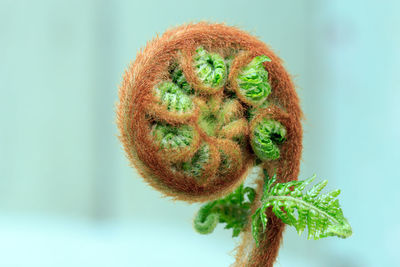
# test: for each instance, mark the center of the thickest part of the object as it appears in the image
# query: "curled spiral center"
(205, 122)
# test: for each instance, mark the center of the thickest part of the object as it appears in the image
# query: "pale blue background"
(67, 194)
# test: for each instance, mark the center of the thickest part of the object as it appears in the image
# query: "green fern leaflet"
(320, 213)
(234, 210)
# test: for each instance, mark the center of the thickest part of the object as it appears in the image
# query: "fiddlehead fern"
(195, 114)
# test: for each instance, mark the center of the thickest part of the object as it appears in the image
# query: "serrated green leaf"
(320, 213)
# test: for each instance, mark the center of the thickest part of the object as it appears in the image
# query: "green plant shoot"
(320, 213)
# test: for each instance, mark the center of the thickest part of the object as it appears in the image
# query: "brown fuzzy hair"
(137, 107)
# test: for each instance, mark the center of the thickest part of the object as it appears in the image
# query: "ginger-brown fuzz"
(190, 118)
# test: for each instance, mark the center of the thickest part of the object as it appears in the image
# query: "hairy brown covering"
(151, 67)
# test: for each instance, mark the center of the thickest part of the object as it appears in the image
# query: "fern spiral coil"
(198, 107)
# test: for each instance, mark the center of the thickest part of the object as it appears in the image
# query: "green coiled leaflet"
(253, 81)
(173, 98)
(265, 137)
(233, 210)
(171, 137)
(210, 68)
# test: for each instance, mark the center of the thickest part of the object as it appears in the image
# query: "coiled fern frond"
(210, 68)
(189, 110)
(265, 137)
(253, 81)
(320, 213)
(173, 98)
(170, 137)
(177, 142)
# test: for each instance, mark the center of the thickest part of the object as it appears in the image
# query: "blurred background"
(67, 194)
